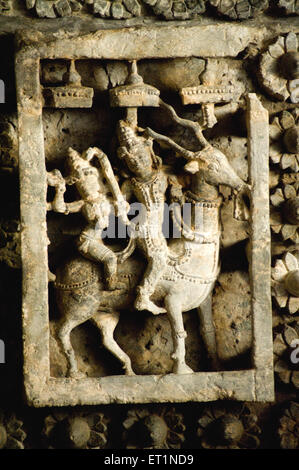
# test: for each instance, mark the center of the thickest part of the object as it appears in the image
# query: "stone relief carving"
(151, 333)
(12, 434)
(164, 9)
(76, 430)
(239, 9)
(153, 429)
(286, 370)
(284, 210)
(278, 68)
(169, 278)
(120, 9)
(228, 427)
(289, 7)
(284, 131)
(285, 275)
(144, 271)
(288, 426)
(5, 7)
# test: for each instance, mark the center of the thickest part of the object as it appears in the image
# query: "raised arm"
(120, 203)
(107, 170)
(73, 207)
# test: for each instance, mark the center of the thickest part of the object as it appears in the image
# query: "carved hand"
(122, 208)
(94, 151)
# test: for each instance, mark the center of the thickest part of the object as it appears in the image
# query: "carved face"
(136, 151)
(75, 161)
(126, 135)
(86, 175)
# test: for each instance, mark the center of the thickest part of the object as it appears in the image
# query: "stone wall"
(249, 46)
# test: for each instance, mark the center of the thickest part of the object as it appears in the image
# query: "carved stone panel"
(137, 280)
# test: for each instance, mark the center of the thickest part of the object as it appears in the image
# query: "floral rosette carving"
(119, 9)
(12, 436)
(239, 9)
(54, 8)
(289, 7)
(177, 9)
(5, 6)
(284, 140)
(288, 429)
(77, 430)
(285, 368)
(161, 428)
(279, 69)
(228, 427)
(285, 209)
(285, 282)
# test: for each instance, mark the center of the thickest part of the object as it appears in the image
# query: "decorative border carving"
(255, 384)
(164, 9)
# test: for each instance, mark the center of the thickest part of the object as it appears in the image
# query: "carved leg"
(95, 250)
(156, 265)
(207, 330)
(107, 323)
(174, 311)
(64, 335)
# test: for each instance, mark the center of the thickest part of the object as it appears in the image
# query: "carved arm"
(120, 204)
(55, 179)
(72, 207)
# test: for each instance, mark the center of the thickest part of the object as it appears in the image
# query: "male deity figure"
(95, 205)
(148, 184)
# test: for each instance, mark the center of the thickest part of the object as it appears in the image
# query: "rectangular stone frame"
(255, 384)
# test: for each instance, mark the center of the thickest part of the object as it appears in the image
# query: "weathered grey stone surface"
(248, 46)
(87, 297)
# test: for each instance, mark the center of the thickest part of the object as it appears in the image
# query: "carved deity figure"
(95, 205)
(148, 184)
(178, 277)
